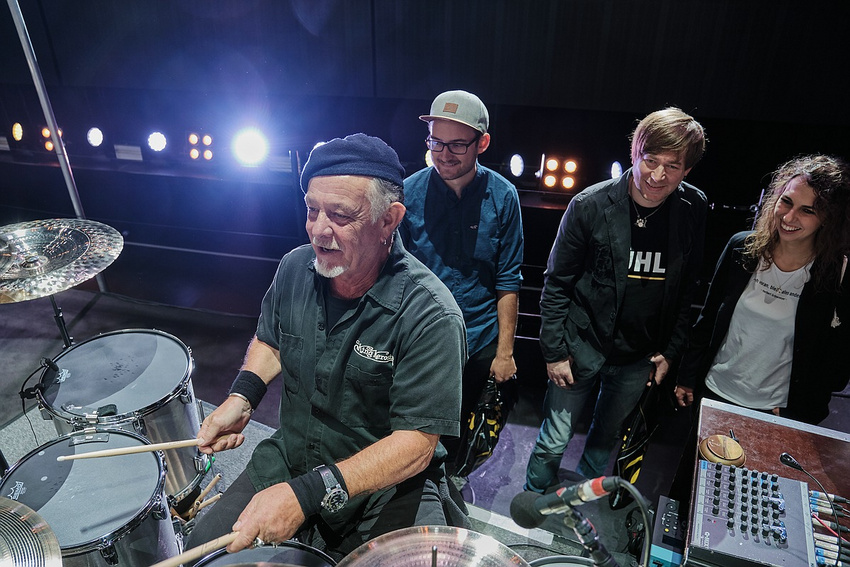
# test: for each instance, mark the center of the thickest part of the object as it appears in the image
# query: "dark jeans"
(414, 502)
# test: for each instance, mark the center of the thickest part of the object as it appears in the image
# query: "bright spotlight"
(193, 139)
(250, 147)
(517, 165)
(208, 155)
(207, 139)
(17, 132)
(570, 166)
(95, 137)
(194, 153)
(616, 170)
(550, 180)
(551, 164)
(157, 141)
(568, 182)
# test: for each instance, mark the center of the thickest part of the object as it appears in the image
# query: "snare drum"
(104, 511)
(286, 553)
(136, 380)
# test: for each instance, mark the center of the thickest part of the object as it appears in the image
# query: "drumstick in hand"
(199, 551)
(130, 450)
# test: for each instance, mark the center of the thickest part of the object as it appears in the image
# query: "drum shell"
(562, 561)
(108, 519)
(170, 412)
(287, 553)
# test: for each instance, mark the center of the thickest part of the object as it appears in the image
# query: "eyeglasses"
(456, 148)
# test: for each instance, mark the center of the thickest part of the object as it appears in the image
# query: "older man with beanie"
(463, 222)
(362, 335)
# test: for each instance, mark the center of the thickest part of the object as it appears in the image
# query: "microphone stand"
(588, 538)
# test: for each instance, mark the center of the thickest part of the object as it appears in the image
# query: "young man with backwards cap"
(356, 327)
(463, 222)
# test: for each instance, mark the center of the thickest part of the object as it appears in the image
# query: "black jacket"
(817, 369)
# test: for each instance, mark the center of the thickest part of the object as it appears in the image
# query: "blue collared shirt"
(473, 244)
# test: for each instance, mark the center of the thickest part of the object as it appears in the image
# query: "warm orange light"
(17, 132)
(570, 166)
(207, 155)
(551, 164)
(568, 182)
(194, 153)
(48, 145)
(45, 133)
(549, 181)
(207, 139)
(193, 139)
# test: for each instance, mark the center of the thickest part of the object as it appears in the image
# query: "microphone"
(48, 363)
(790, 461)
(529, 509)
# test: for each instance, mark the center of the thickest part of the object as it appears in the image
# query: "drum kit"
(126, 398)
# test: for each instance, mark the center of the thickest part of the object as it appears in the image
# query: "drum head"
(286, 553)
(562, 561)
(84, 501)
(131, 369)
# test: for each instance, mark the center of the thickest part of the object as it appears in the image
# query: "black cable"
(790, 461)
(30, 393)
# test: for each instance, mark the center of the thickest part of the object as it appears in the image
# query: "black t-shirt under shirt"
(636, 334)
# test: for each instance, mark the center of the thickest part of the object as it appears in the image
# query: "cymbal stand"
(588, 538)
(60, 322)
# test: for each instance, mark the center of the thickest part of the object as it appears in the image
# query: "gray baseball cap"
(460, 106)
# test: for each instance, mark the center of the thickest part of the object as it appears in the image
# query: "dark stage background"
(565, 77)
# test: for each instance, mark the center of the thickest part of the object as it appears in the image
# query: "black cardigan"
(818, 367)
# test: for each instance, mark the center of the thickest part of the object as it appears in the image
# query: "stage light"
(250, 147)
(193, 139)
(17, 132)
(48, 145)
(549, 180)
(568, 182)
(208, 155)
(616, 170)
(517, 165)
(552, 164)
(194, 153)
(570, 166)
(157, 141)
(45, 133)
(94, 137)
(207, 140)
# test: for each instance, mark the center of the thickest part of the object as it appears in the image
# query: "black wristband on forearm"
(309, 489)
(249, 385)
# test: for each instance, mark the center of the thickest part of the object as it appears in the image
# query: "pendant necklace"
(640, 222)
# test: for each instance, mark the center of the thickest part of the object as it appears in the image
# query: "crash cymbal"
(25, 538)
(442, 546)
(43, 257)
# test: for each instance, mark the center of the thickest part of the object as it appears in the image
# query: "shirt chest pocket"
(366, 398)
(291, 351)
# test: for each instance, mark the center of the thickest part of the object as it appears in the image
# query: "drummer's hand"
(273, 515)
(684, 395)
(222, 429)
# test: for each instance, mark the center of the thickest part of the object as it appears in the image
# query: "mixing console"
(742, 518)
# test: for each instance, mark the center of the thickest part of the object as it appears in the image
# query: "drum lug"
(186, 397)
(160, 511)
(139, 426)
(109, 554)
(201, 462)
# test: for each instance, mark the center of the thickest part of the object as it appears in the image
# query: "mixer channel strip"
(742, 518)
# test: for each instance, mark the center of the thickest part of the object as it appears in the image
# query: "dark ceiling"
(766, 78)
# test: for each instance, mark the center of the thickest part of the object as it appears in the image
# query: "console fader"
(742, 517)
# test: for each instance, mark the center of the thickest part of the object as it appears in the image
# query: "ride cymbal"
(442, 546)
(25, 538)
(43, 257)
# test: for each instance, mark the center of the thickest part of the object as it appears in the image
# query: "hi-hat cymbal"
(43, 257)
(25, 538)
(432, 545)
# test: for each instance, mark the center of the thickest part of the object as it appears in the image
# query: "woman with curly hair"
(776, 319)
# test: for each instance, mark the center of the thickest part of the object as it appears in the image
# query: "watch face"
(335, 499)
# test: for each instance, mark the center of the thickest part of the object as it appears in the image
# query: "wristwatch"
(335, 495)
